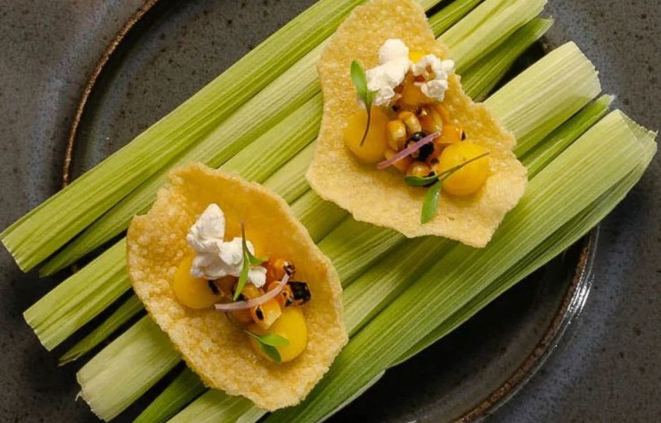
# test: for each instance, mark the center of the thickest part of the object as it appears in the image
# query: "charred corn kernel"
(375, 143)
(286, 297)
(410, 121)
(430, 120)
(278, 268)
(419, 169)
(291, 326)
(195, 293)
(415, 55)
(468, 179)
(451, 134)
(401, 165)
(412, 96)
(443, 111)
(266, 314)
(300, 292)
(422, 153)
(397, 134)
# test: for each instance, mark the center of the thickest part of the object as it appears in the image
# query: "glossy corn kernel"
(278, 268)
(266, 314)
(376, 142)
(431, 121)
(286, 297)
(419, 169)
(401, 165)
(468, 179)
(443, 112)
(411, 121)
(300, 292)
(291, 326)
(397, 134)
(195, 293)
(451, 134)
(412, 96)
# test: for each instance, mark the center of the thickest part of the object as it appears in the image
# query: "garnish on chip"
(414, 153)
(266, 328)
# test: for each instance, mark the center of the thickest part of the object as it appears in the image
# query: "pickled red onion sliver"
(243, 305)
(405, 152)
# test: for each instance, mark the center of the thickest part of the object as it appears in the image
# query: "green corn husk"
(285, 104)
(481, 78)
(511, 87)
(288, 182)
(216, 406)
(84, 295)
(521, 117)
(80, 298)
(264, 110)
(213, 152)
(580, 84)
(48, 227)
(368, 295)
(561, 240)
(495, 27)
(590, 167)
(385, 281)
(451, 14)
(128, 392)
(178, 394)
(119, 317)
(539, 157)
(143, 343)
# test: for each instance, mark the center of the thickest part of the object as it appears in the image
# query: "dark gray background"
(608, 372)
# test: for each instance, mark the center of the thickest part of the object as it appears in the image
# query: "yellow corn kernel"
(375, 143)
(286, 297)
(412, 96)
(419, 169)
(451, 134)
(397, 134)
(445, 115)
(430, 120)
(468, 179)
(195, 293)
(277, 268)
(291, 326)
(411, 121)
(401, 165)
(266, 314)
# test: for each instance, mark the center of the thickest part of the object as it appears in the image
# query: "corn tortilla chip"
(382, 197)
(217, 351)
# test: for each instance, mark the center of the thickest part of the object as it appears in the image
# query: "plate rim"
(571, 306)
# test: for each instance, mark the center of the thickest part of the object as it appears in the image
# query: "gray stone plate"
(171, 51)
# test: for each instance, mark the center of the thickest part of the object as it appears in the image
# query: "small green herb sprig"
(359, 78)
(249, 260)
(268, 344)
(433, 195)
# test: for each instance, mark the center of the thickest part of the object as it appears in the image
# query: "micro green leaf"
(268, 343)
(432, 197)
(430, 204)
(416, 181)
(248, 260)
(359, 78)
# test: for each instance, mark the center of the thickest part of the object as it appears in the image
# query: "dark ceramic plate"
(491, 357)
(167, 51)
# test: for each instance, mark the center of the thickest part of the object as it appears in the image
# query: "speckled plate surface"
(178, 46)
